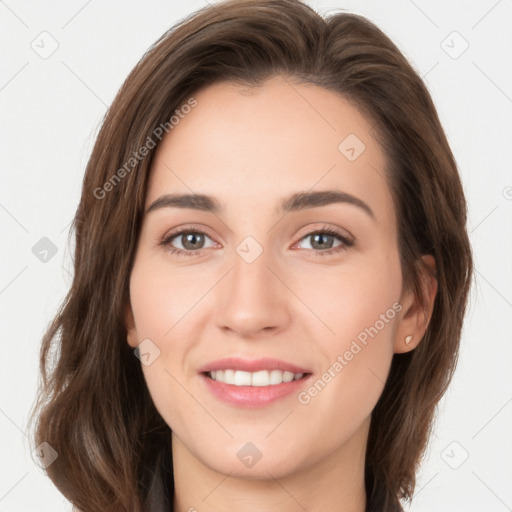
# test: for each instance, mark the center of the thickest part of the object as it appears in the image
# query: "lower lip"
(252, 396)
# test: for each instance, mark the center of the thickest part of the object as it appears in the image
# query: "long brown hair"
(93, 406)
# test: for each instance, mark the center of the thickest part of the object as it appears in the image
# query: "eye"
(185, 242)
(190, 242)
(323, 241)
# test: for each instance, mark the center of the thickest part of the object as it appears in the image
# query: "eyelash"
(326, 230)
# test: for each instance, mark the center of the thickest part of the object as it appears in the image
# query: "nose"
(252, 299)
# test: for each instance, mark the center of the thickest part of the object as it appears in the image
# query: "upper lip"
(251, 365)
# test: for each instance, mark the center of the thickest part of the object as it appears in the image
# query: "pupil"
(191, 240)
(320, 236)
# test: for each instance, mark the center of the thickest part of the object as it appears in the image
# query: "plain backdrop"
(61, 66)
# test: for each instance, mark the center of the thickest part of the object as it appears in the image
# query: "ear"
(131, 331)
(415, 318)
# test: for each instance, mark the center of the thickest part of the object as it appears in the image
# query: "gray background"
(51, 106)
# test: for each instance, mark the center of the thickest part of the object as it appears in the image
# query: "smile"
(257, 379)
(253, 383)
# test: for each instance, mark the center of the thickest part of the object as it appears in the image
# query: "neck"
(335, 483)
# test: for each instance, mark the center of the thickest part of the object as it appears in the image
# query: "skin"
(251, 148)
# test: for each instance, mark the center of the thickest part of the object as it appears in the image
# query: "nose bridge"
(252, 298)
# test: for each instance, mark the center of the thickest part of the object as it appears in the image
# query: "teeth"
(261, 378)
(241, 378)
(229, 376)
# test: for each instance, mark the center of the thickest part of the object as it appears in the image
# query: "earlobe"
(416, 316)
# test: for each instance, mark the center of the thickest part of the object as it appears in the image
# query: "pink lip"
(254, 365)
(252, 396)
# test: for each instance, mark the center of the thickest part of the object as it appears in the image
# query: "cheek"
(357, 301)
(165, 305)
(360, 309)
(358, 358)
(164, 301)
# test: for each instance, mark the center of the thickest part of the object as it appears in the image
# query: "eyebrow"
(294, 202)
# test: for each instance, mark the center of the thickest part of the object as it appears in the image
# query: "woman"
(213, 353)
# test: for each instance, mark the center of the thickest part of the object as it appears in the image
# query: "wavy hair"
(93, 406)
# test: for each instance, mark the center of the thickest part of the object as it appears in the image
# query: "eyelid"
(335, 231)
(186, 228)
(193, 227)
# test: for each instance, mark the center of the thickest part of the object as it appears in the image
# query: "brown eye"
(327, 241)
(186, 242)
(321, 241)
(191, 241)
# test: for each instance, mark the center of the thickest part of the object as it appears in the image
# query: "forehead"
(254, 146)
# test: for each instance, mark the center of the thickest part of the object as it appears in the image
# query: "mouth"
(253, 383)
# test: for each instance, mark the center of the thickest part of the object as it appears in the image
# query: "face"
(269, 286)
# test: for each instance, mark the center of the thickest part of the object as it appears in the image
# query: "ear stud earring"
(408, 340)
